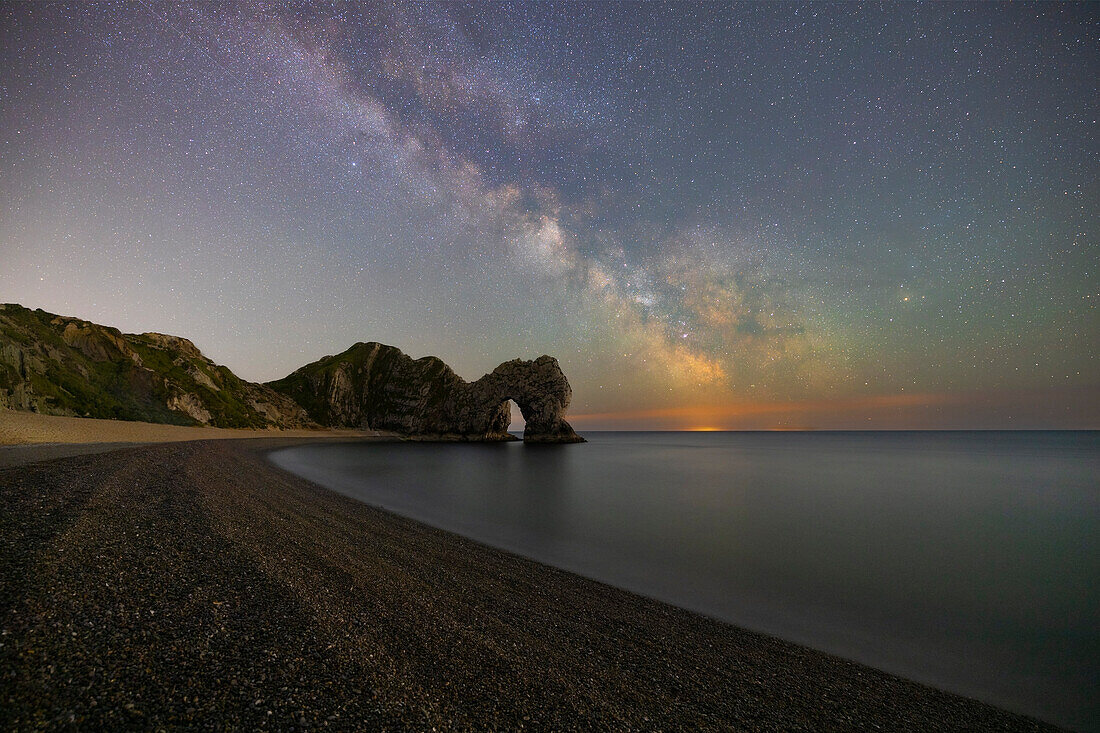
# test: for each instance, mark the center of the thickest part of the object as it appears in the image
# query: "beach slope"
(194, 584)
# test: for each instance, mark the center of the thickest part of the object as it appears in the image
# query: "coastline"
(31, 428)
(195, 583)
(26, 437)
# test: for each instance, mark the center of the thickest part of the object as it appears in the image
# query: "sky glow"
(727, 216)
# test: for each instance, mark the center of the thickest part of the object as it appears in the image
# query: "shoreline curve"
(196, 583)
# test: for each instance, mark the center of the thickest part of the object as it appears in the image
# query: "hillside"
(369, 379)
(58, 365)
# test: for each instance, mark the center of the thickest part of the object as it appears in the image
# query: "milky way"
(740, 216)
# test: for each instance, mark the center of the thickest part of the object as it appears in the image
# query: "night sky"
(715, 216)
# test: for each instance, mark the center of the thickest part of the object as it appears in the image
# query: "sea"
(969, 561)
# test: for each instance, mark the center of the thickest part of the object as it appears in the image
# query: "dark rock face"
(538, 387)
(378, 387)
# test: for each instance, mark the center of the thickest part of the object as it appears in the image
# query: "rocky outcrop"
(67, 366)
(374, 386)
(539, 389)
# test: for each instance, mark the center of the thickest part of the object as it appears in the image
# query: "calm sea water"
(970, 561)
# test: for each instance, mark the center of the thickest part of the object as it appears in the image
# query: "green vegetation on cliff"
(67, 366)
(340, 390)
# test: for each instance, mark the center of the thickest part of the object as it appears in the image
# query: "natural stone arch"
(377, 387)
(539, 389)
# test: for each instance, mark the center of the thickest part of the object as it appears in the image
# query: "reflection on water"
(967, 560)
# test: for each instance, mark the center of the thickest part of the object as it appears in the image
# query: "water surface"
(970, 561)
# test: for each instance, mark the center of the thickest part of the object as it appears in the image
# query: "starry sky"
(725, 216)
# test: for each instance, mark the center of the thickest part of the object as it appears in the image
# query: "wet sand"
(195, 584)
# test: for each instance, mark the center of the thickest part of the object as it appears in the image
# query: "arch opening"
(507, 420)
(516, 421)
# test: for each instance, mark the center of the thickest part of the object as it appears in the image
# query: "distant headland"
(60, 365)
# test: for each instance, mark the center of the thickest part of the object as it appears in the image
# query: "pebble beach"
(193, 584)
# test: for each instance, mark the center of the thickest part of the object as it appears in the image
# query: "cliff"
(58, 365)
(375, 386)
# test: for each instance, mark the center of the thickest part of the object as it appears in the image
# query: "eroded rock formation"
(67, 366)
(377, 387)
(538, 387)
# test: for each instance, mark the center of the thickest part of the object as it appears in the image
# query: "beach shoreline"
(26, 437)
(195, 583)
(31, 428)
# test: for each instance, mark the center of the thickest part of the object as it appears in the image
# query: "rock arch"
(539, 389)
(378, 387)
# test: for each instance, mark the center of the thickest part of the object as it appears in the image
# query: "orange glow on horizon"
(728, 416)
